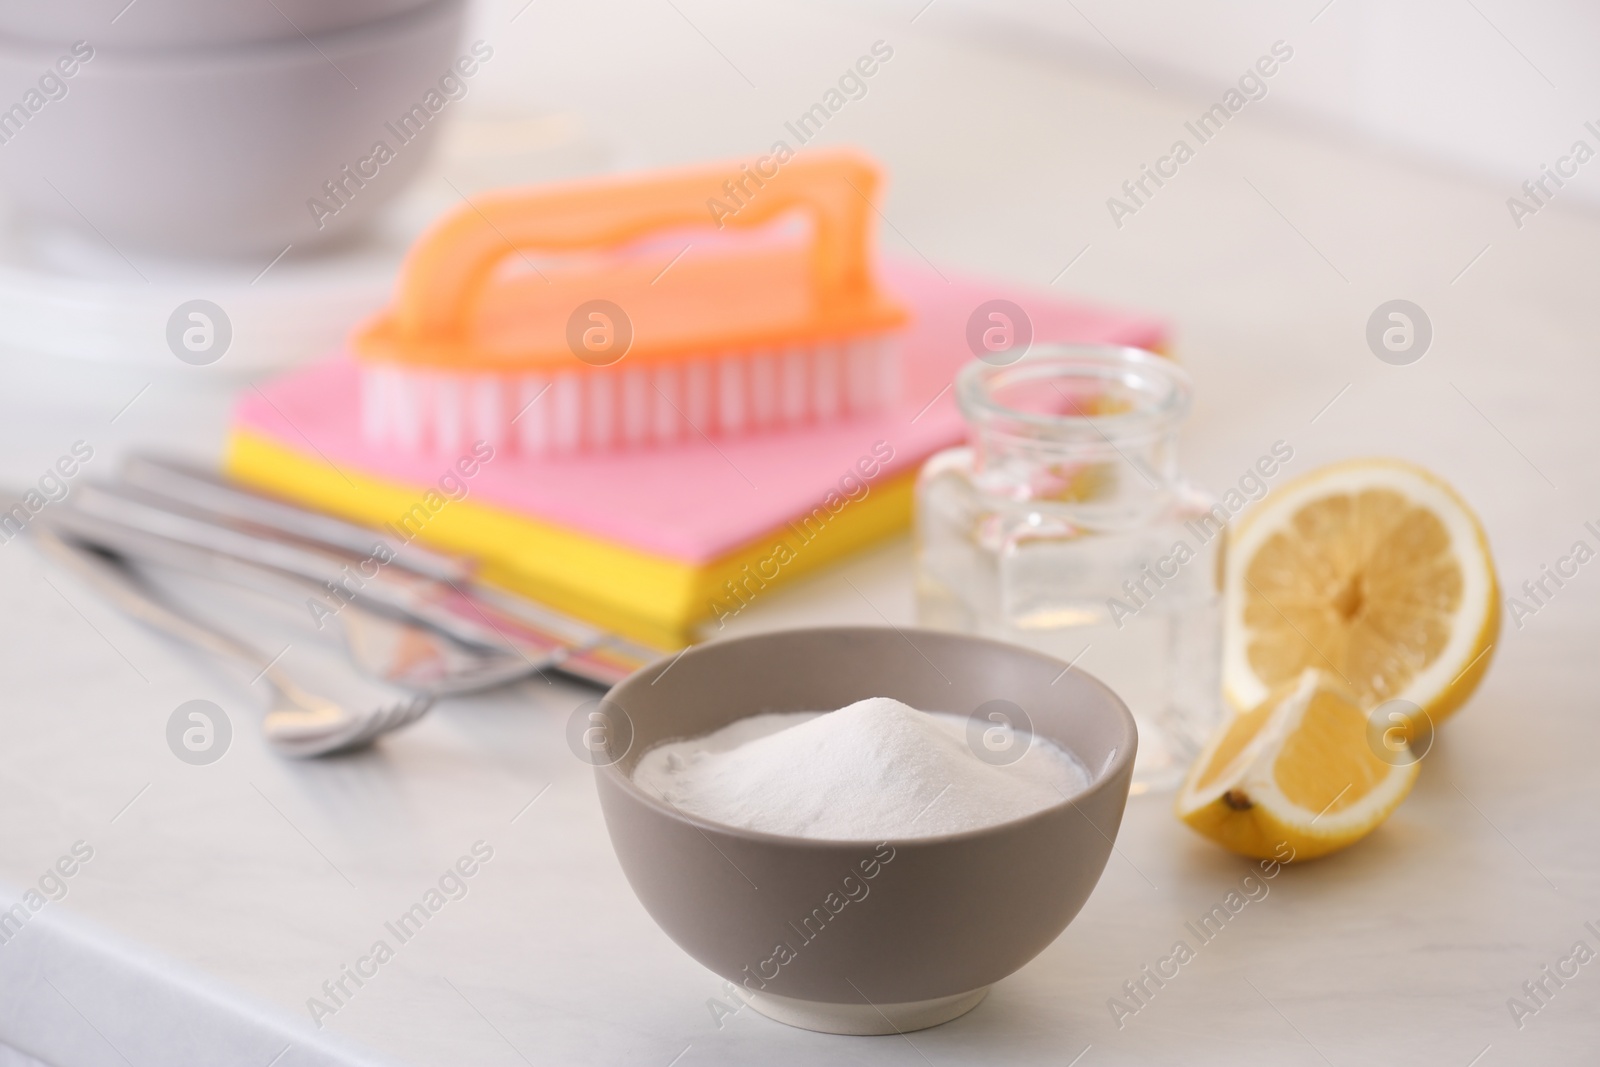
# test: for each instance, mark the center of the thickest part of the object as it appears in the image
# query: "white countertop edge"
(75, 995)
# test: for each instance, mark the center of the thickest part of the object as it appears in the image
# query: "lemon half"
(1373, 570)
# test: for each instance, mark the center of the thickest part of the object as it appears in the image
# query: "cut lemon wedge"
(1297, 776)
(1373, 570)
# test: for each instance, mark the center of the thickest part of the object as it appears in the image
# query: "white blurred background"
(1377, 167)
(1487, 87)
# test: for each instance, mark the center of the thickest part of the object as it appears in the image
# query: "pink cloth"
(696, 502)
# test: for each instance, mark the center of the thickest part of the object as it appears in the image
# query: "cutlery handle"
(160, 517)
(115, 584)
(155, 518)
(185, 556)
(194, 546)
(298, 723)
(135, 512)
(211, 492)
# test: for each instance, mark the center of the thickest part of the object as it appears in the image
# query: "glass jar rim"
(1165, 387)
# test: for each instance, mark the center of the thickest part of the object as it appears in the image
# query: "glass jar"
(1065, 526)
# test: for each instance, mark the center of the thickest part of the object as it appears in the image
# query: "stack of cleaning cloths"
(653, 439)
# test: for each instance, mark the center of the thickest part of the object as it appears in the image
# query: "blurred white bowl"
(182, 23)
(228, 150)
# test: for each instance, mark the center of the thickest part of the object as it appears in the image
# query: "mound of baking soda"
(876, 770)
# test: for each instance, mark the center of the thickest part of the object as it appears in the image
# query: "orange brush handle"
(447, 271)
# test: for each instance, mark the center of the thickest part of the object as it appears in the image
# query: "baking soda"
(873, 771)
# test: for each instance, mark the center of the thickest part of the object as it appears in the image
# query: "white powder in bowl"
(874, 771)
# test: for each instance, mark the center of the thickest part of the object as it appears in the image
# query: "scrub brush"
(655, 326)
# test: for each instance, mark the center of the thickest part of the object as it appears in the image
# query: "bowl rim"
(232, 55)
(1121, 758)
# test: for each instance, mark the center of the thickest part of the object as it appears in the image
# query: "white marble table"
(220, 898)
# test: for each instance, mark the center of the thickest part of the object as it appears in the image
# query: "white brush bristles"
(732, 396)
(532, 417)
(793, 399)
(668, 403)
(635, 406)
(488, 409)
(566, 413)
(696, 405)
(449, 431)
(604, 408)
(763, 389)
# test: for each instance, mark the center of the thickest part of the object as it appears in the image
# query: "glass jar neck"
(1078, 425)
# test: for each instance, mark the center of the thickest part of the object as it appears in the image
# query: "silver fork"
(298, 722)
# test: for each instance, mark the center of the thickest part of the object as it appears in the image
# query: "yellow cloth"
(640, 595)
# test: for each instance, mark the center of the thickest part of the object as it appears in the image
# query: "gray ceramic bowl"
(216, 150)
(928, 924)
